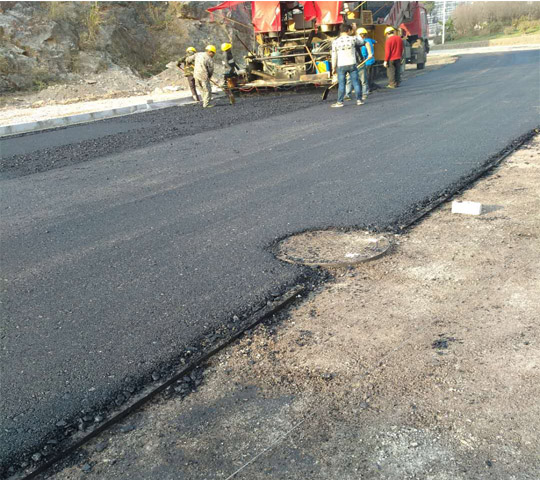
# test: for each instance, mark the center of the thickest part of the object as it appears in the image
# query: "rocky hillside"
(63, 42)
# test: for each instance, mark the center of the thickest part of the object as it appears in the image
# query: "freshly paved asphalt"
(125, 241)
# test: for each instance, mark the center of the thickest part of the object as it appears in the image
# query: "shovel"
(229, 93)
(327, 89)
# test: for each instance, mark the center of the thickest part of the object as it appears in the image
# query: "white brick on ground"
(467, 208)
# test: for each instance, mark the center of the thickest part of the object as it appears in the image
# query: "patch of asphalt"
(43, 151)
(181, 378)
(59, 449)
(420, 209)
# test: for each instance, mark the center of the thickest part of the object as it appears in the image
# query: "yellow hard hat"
(362, 30)
(191, 50)
(210, 48)
(388, 30)
(225, 47)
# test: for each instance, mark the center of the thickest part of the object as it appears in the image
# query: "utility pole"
(443, 21)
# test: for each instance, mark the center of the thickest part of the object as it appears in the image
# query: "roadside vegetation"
(477, 21)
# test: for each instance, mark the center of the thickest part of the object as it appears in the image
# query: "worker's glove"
(386, 64)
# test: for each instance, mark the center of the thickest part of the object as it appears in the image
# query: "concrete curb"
(92, 116)
(477, 50)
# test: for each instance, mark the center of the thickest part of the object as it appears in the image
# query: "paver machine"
(292, 40)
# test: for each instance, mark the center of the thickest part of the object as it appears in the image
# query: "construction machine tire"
(420, 66)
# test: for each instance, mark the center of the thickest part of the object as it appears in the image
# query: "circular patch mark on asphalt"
(331, 248)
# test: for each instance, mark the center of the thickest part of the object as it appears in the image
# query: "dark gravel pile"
(141, 130)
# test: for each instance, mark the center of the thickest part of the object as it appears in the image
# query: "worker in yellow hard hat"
(393, 51)
(361, 61)
(229, 62)
(203, 71)
(187, 64)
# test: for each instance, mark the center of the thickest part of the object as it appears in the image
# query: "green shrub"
(159, 17)
(5, 66)
(509, 30)
(525, 26)
(93, 21)
(40, 79)
(495, 27)
(90, 23)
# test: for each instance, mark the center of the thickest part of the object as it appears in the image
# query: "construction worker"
(365, 54)
(393, 51)
(188, 70)
(344, 63)
(203, 71)
(368, 54)
(229, 61)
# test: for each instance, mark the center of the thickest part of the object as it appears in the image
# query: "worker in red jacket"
(393, 50)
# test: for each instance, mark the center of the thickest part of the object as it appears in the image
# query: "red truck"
(411, 19)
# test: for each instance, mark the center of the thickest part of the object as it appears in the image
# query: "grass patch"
(495, 36)
(4, 66)
(57, 11)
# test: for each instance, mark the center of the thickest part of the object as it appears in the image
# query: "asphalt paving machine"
(292, 41)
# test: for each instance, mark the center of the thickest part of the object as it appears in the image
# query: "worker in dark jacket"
(393, 51)
(229, 60)
(188, 63)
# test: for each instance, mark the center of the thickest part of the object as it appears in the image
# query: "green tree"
(429, 6)
(450, 30)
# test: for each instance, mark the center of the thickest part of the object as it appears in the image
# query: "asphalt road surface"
(125, 241)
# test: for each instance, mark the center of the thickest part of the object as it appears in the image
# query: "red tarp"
(266, 16)
(328, 12)
(310, 12)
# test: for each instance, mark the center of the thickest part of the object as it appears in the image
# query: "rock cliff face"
(50, 42)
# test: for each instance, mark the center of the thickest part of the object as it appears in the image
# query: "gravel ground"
(13, 116)
(422, 365)
(106, 85)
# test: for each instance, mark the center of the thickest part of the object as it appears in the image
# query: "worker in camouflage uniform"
(203, 71)
(188, 67)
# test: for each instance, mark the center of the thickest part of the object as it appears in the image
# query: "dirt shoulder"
(423, 364)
